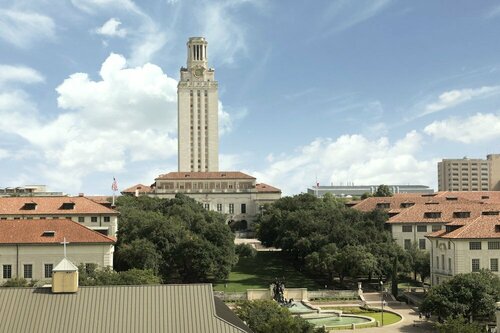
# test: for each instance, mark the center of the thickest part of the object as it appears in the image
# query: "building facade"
(233, 193)
(198, 111)
(80, 209)
(359, 190)
(469, 174)
(465, 247)
(30, 249)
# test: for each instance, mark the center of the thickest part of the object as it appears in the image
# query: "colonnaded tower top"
(197, 108)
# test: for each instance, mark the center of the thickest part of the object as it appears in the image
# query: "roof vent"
(451, 198)
(48, 233)
(485, 197)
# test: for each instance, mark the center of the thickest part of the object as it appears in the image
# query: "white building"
(465, 246)
(30, 249)
(79, 209)
(198, 111)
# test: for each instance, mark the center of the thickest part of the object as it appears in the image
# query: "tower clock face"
(198, 71)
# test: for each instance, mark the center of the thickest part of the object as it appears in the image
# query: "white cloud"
(129, 114)
(20, 74)
(344, 14)
(94, 6)
(228, 121)
(493, 12)
(351, 158)
(477, 128)
(24, 28)
(4, 153)
(225, 33)
(112, 29)
(453, 98)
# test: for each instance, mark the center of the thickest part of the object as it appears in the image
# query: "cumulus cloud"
(112, 29)
(22, 28)
(453, 98)
(21, 74)
(352, 158)
(477, 128)
(129, 114)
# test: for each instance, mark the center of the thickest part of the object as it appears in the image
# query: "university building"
(233, 193)
(469, 174)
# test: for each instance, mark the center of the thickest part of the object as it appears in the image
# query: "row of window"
(420, 228)
(493, 245)
(476, 265)
(421, 244)
(81, 219)
(220, 207)
(27, 271)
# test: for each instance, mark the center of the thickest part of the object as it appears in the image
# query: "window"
(42, 217)
(243, 208)
(449, 245)
(421, 244)
(207, 206)
(437, 262)
(461, 215)
(47, 271)
(494, 264)
(449, 264)
(106, 218)
(219, 207)
(81, 219)
(442, 262)
(491, 212)
(421, 228)
(406, 204)
(383, 205)
(407, 244)
(28, 271)
(436, 228)
(474, 245)
(494, 245)
(7, 271)
(93, 219)
(475, 265)
(407, 228)
(231, 208)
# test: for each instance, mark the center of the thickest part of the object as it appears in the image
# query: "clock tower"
(197, 108)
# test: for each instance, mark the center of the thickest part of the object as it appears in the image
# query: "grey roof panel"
(110, 309)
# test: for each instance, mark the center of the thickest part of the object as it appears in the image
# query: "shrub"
(245, 251)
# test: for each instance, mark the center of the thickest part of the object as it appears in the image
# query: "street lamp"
(382, 299)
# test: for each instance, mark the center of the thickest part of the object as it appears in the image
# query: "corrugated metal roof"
(110, 309)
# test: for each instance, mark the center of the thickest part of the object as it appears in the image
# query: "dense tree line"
(176, 239)
(326, 237)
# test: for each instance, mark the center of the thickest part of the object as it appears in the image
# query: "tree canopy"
(265, 316)
(177, 239)
(471, 295)
(383, 191)
(326, 237)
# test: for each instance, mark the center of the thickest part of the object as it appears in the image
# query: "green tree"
(91, 275)
(471, 295)
(245, 251)
(419, 262)
(383, 191)
(366, 195)
(177, 239)
(264, 316)
(460, 324)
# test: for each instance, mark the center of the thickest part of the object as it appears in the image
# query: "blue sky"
(343, 91)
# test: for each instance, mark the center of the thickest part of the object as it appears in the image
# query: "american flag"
(114, 186)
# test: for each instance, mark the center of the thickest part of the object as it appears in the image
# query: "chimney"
(65, 277)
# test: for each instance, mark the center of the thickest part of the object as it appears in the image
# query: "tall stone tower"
(197, 108)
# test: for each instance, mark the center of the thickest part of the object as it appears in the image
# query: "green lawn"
(260, 272)
(389, 318)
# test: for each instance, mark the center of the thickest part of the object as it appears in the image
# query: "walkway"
(406, 325)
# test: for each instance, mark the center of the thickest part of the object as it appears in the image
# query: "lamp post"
(382, 300)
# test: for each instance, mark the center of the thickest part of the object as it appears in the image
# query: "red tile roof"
(480, 227)
(52, 206)
(266, 188)
(142, 189)
(447, 209)
(483, 196)
(31, 232)
(205, 175)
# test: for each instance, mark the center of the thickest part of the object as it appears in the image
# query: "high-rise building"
(469, 174)
(197, 111)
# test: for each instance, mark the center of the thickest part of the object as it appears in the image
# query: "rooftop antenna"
(64, 242)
